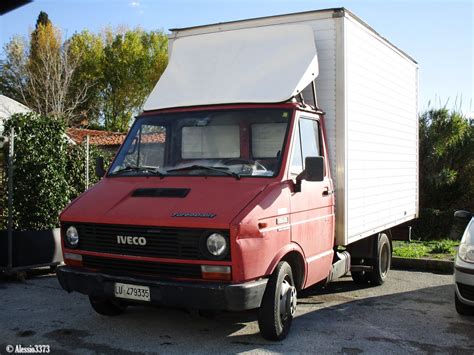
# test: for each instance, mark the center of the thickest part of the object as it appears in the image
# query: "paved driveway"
(412, 313)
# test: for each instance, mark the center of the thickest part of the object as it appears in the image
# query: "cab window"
(306, 144)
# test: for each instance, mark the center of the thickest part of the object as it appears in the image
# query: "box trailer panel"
(325, 38)
(381, 165)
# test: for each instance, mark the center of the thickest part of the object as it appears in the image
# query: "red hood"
(111, 201)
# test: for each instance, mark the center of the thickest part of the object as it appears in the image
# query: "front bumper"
(464, 278)
(199, 295)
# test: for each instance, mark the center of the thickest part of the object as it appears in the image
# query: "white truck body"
(368, 89)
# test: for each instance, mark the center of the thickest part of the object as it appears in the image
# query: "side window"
(296, 166)
(309, 138)
(306, 144)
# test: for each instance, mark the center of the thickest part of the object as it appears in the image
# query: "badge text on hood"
(194, 214)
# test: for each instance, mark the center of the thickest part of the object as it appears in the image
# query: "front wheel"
(107, 307)
(278, 304)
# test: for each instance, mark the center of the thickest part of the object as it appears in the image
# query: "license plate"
(132, 292)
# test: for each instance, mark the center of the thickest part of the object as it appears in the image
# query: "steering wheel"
(237, 161)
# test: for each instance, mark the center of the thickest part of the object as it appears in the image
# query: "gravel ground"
(413, 312)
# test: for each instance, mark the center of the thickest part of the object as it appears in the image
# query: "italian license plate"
(132, 292)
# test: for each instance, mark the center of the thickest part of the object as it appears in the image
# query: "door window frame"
(297, 136)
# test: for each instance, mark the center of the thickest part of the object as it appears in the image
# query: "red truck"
(234, 190)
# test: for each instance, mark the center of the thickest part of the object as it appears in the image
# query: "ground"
(413, 312)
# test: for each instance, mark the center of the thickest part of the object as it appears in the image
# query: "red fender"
(282, 252)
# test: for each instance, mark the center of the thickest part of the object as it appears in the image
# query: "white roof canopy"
(257, 65)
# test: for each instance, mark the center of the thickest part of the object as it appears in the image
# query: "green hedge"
(434, 224)
(48, 171)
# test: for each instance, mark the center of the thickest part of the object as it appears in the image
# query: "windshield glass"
(246, 142)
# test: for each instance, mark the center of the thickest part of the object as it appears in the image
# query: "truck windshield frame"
(234, 142)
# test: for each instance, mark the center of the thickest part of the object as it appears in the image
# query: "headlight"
(217, 245)
(466, 252)
(72, 237)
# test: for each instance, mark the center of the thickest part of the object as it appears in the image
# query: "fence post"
(11, 152)
(87, 162)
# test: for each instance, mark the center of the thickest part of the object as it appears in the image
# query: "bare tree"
(43, 80)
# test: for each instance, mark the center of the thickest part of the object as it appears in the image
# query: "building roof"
(9, 107)
(96, 137)
(108, 138)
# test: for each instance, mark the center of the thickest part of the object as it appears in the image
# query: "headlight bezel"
(466, 246)
(466, 252)
(205, 250)
(69, 234)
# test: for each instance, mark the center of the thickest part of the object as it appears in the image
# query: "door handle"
(327, 192)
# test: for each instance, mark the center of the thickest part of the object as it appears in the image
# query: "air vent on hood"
(163, 192)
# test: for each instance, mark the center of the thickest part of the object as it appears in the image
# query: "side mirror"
(463, 214)
(99, 167)
(313, 171)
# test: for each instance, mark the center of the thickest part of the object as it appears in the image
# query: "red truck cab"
(199, 209)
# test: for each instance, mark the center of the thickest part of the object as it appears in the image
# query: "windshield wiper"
(219, 169)
(139, 169)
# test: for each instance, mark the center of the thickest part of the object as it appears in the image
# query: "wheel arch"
(294, 256)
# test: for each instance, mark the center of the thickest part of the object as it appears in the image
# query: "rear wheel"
(278, 304)
(382, 260)
(107, 307)
(462, 308)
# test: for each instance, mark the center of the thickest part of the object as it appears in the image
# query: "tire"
(107, 307)
(461, 308)
(382, 261)
(278, 304)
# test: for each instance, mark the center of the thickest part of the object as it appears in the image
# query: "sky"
(437, 34)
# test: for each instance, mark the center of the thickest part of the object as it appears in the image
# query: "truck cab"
(201, 205)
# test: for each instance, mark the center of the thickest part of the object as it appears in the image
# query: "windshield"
(235, 143)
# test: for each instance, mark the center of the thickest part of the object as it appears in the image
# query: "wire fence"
(3, 188)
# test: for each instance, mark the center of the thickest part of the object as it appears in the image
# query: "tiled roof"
(96, 137)
(107, 138)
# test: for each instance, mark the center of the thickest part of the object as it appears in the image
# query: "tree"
(446, 171)
(446, 160)
(88, 49)
(40, 73)
(132, 64)
(87, 80)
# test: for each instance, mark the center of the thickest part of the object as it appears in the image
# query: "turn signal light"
(213, 272)
(71, 259)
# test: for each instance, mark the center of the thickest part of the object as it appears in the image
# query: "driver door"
(312, 209)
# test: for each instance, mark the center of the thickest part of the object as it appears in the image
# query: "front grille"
(170, 243)
(131, 267)
(466, 291)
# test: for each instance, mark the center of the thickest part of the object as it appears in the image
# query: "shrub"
(442, 247)
(76, 167)
(48, 171)
(446, 160)
(40, 187)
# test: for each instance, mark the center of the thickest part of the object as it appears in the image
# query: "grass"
(438, 249)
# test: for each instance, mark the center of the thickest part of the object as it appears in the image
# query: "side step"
(340, 267)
